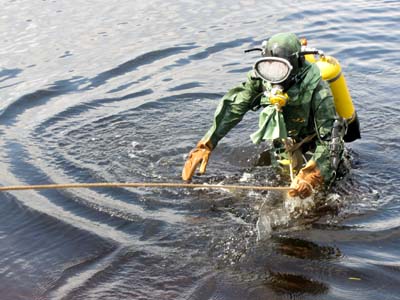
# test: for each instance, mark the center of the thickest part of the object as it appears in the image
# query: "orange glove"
(197, 156)
(308, 178)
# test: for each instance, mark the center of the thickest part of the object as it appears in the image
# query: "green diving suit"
(310, 111)
(297, 114)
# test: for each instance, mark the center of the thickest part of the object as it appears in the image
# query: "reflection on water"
(305, 249)
(295, 285)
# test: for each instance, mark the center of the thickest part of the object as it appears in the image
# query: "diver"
(298, 116)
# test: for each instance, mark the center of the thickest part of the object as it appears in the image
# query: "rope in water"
(136, 185)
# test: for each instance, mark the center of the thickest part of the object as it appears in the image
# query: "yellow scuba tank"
(331, 72)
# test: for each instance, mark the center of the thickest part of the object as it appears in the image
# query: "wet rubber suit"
(309, 111)
(297, 113)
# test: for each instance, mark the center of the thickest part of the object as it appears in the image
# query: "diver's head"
(286, 46)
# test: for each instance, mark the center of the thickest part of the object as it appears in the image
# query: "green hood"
(284, 45)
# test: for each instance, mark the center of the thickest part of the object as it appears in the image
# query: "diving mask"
(273, 69)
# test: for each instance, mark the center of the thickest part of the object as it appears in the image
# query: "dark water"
(121, 91)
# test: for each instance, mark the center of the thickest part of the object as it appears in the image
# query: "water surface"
(121, 91)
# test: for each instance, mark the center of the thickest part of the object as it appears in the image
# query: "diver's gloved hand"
(197, 156)
(308, 178)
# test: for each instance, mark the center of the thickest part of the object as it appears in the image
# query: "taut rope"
(137, 185)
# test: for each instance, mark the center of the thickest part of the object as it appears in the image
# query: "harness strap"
(296, 146)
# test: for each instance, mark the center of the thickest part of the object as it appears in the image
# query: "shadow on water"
(6, 74)
(129, 66)
(79, 109)
(219, 47)
(74, 84)
(40, 97)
